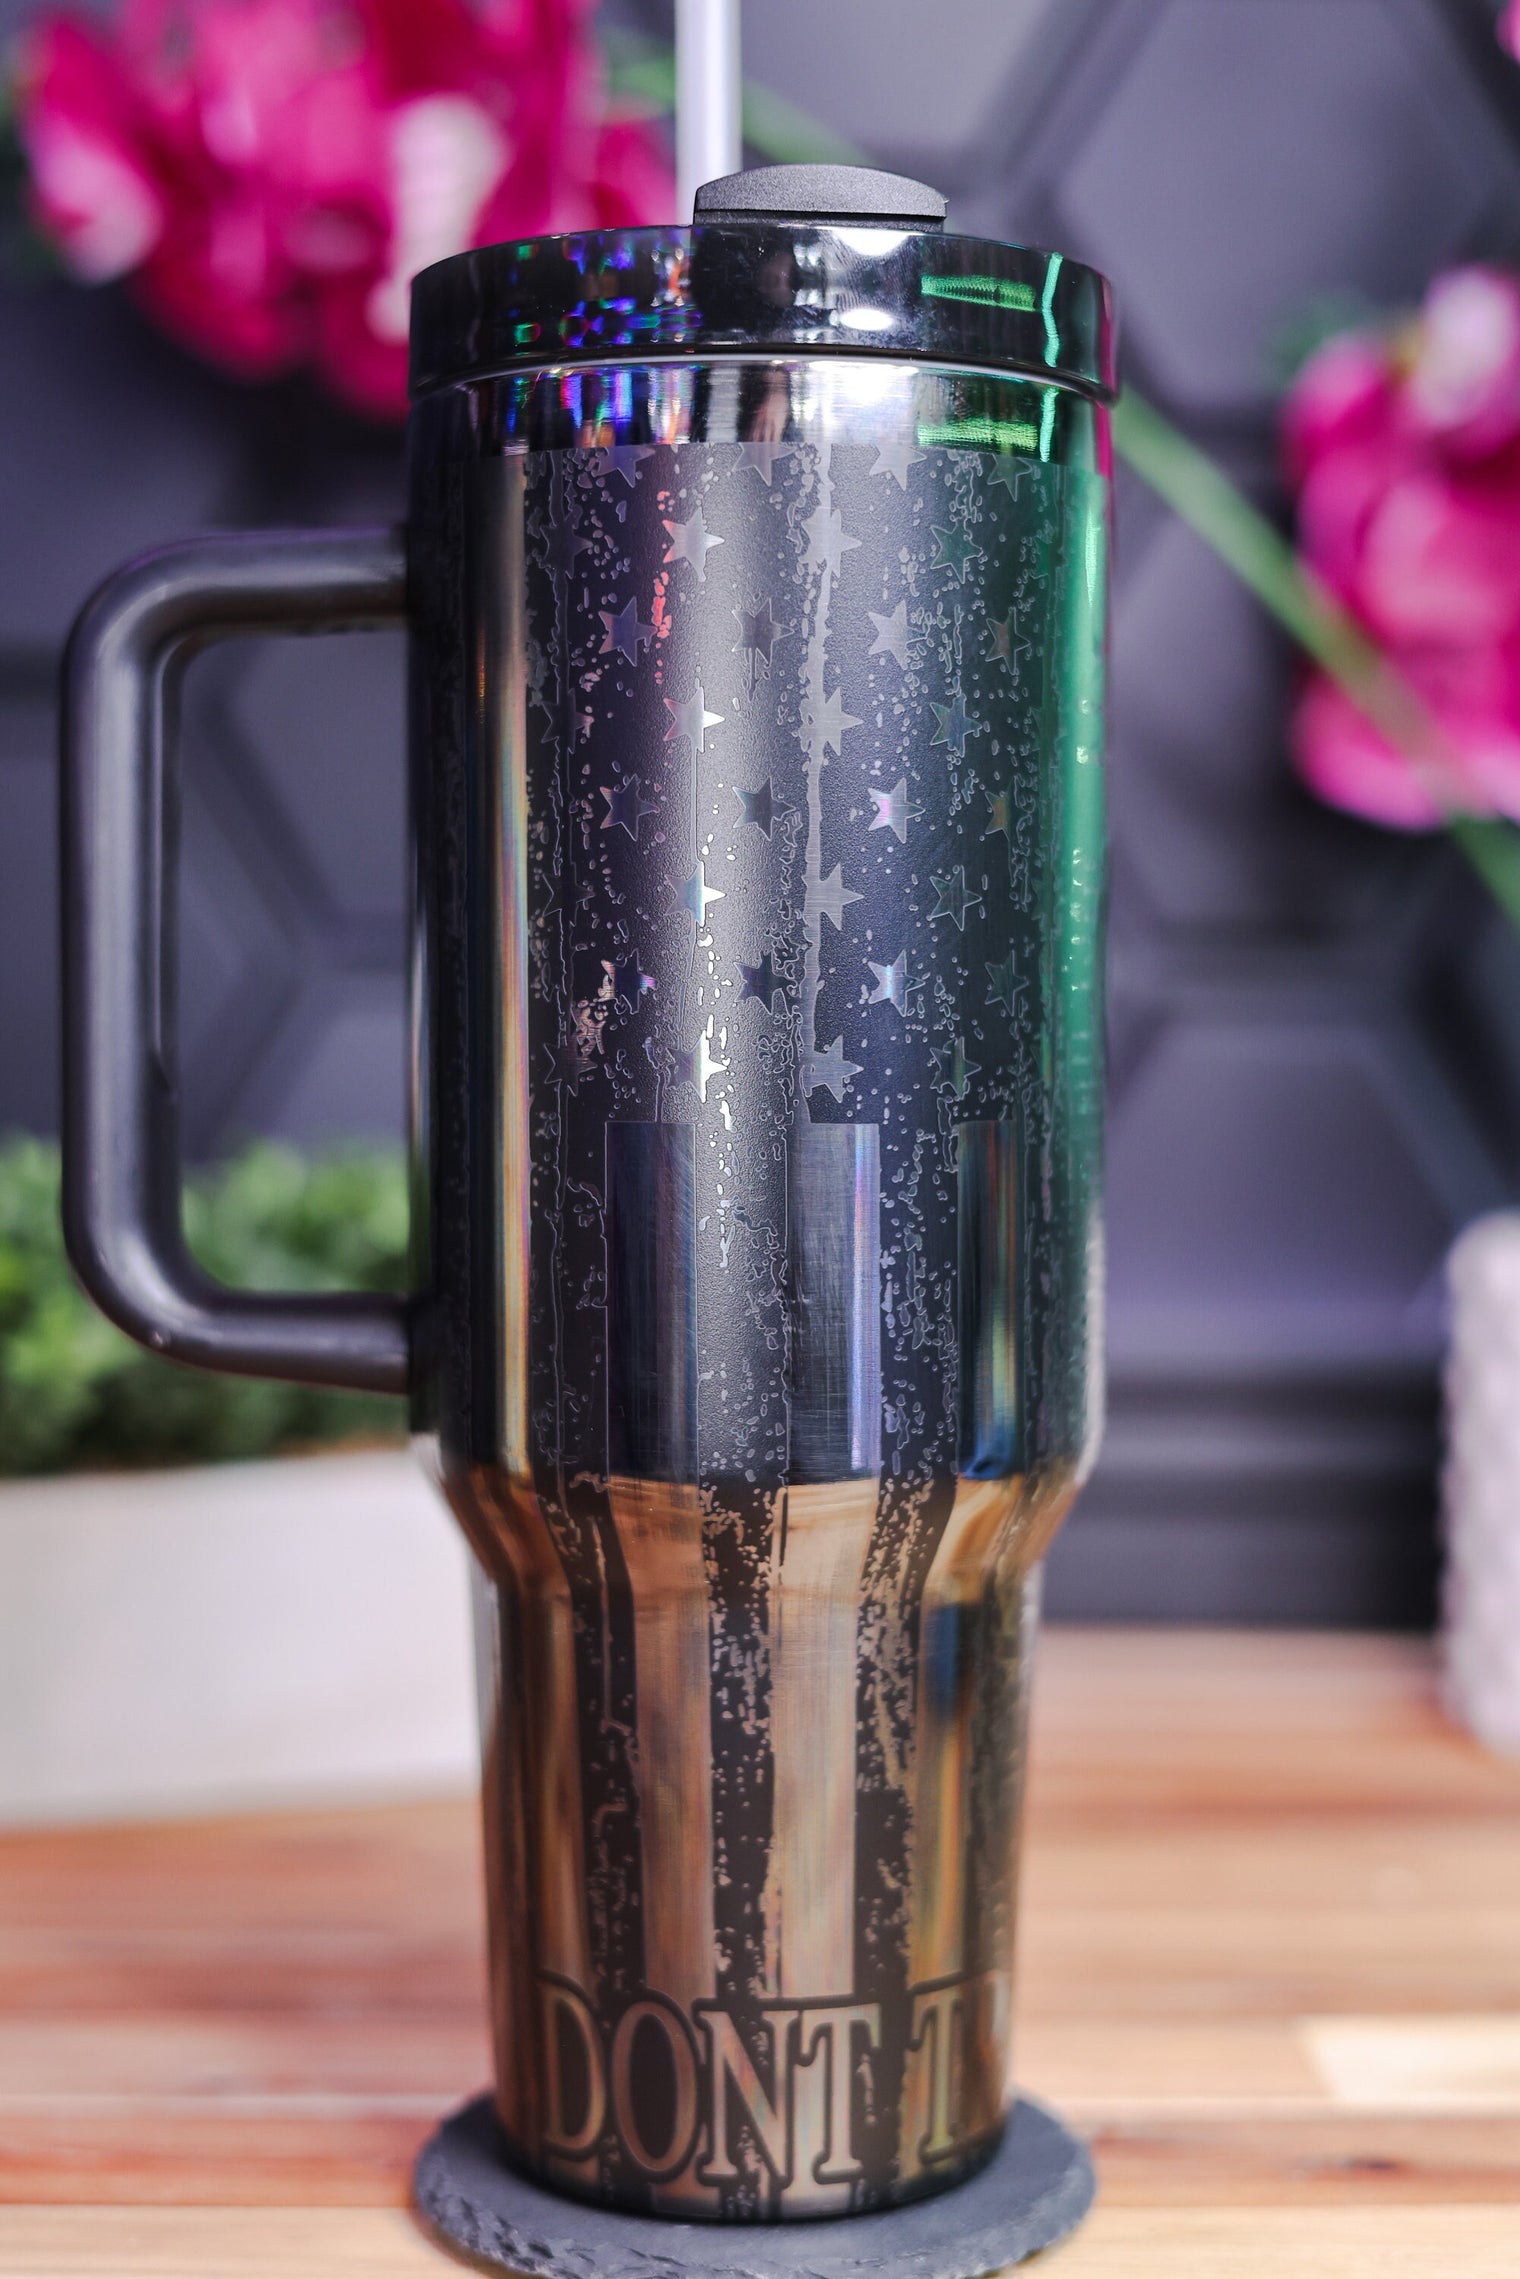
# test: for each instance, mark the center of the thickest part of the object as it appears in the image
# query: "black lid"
(820, 194)
(779, 260)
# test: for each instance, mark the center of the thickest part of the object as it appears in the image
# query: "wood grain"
(1476, 2242)
(1270, 1963)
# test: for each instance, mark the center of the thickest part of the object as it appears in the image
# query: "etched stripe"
(834, 1240)
(534, 1808)
(980, 1518)
(813, 1735)
(660, 1528)
(504, 667)
(953, 2086)
(834, 1245)
(591, 1643)
(910, 1518)
(651, 1301)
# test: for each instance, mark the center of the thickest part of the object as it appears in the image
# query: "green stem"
(1246, 542)
(1208, 502)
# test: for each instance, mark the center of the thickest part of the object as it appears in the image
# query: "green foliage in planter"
(74, 1391)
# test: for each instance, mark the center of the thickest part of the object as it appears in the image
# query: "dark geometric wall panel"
(1315, 1027)
(112, 441)
(1237, 159)
(1269, 1174)
(294, 770)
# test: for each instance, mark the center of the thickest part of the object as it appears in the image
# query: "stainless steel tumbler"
(755, 574)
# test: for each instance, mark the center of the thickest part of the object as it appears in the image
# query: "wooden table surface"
(1271, 1966)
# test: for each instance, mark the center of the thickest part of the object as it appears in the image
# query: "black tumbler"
(755, 578)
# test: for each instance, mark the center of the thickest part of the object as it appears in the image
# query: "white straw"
(707, 95)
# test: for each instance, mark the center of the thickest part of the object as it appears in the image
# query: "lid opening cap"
(828, 195)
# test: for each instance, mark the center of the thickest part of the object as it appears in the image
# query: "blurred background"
(1315, 1025)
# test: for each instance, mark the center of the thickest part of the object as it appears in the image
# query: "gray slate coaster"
(1037, 2186)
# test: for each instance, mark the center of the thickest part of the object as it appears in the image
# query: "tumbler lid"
(777, 261)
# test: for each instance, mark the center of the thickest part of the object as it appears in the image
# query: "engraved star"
(826, 724)
(568, 1063)
(955, 897)
(896, 459)
(955, 550)
(762, 806)
(623, 631)
(1009, 472)
(691, 541)
(694, 894)
(561, 545)
(892, 984)
(627, 979)
(626, 805)
(827, 538)
(762, 457)
(761, 981)
(892, 810)
(891, 634)
(623, 459)
(961, 1069)
(698, 1066)
(692, 718)
(830, 897)
(758, 635)
(1006, 984)
(828, 1070)
(1001, 804)
(955, 724)
(1008, 645)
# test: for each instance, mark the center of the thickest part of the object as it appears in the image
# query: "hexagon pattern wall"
(1316, 1030)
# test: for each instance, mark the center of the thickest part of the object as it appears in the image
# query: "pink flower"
(1463, 383)
(1476, 768)
(1340, 396)
(1404, 451)
(272, 173)
(1346, 763)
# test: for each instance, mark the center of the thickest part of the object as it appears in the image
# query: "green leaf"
(75, 1391)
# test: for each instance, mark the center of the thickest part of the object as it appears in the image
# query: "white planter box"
(235, 1636)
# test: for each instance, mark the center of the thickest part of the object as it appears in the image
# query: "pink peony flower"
(1404, 451)
(271, 174)
(1464, 377)
(1340, 396)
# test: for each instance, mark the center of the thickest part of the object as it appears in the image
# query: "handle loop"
(121, 1155)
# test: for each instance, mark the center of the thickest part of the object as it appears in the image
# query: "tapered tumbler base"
(1036, 2188)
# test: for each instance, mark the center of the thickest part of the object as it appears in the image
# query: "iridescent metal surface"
(759, 806)
(776, 288)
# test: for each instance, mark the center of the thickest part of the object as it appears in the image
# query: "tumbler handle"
(121, 1156)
